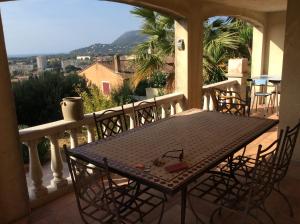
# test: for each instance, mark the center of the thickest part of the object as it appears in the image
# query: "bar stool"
(261, 94)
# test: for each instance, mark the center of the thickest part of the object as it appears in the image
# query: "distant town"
(22, 68)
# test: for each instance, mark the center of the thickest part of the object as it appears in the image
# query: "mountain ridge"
(121, 45)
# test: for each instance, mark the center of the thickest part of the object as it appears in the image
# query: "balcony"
(51, 181)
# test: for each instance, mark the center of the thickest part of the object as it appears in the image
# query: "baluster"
(173, 109)
(73, 138)
(179, 106)
(132, 121)
(205, 101)
(163, 111)
(35, 170)
(90, 133)
(56, 163)
(211, 103)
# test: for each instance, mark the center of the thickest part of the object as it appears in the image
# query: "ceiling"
(257, 5)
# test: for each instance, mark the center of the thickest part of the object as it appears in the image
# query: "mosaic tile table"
(207, 138)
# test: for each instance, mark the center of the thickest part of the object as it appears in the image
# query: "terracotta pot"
(72, 108)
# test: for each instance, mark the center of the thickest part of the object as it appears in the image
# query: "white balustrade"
(56, 163)
(35, 170)
(208, 103)
(32, 136)
(90, 133)
(74, 137)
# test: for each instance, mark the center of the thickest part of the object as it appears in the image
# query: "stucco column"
(258, 50)
(188, 61)
(290, 92)
(14, 203)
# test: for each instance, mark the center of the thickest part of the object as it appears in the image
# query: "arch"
(257, 19)
(161, 7)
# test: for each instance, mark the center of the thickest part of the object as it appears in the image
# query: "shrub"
(158, 80)
(38, 99)
(94, 100)
(122, 94)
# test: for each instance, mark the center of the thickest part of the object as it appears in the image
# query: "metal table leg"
(183, 204)
(276, 99)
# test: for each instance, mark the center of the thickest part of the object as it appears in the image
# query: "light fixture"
(180, 45)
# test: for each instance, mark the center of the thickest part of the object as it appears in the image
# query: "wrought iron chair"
(227, 101)
(145, 112)
(243, 191)
(110, 123)
(282, 163)
(284, 159)
(100, 200)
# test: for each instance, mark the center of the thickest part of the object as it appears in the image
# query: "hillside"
(122, 45)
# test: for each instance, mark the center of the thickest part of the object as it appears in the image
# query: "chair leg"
(285, 199)
(257, 99)
(162, 212)
(263, 209)
(194, 211)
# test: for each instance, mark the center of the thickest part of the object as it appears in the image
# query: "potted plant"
(156, 84)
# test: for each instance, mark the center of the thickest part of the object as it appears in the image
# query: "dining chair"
(110, 123)
(262, 94)
(243, 191)
(282, 162)
(227, 101)
(100, 200)
(145, 112)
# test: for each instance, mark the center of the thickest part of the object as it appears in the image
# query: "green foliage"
(158, 80)
(94, 100)
(223, 39)
(140, 90)
(38, 99)
(122, 94)
(151, 54)
(71, 69)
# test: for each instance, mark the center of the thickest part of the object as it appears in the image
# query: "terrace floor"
(64, 210)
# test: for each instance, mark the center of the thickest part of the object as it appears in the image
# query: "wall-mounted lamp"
(180, 45)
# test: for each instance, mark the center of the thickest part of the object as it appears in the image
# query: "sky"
(59, 26)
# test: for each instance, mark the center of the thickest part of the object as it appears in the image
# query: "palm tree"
(151, 55)
(219, 44)
(223, 39)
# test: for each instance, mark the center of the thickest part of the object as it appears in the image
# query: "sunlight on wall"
(275, 60)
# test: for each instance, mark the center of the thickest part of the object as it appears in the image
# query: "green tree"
(151, 55)
(94, 100)
(38, 99)
(122, 94)
(223, 39)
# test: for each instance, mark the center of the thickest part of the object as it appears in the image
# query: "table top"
(206, 138)
(273, 79)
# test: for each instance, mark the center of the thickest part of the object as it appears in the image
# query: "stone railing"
(168, 105)
(208, 104)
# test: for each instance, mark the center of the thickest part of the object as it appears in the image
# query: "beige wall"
(290, 94)
(97, 73)
(258, 50)
(268, 46)
(274, 43)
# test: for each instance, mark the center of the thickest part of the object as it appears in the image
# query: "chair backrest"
(227, 101)
(145, 112)
(286, 151)
(110, 123)
(261, 83)
(262, 176)
(90, 190)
